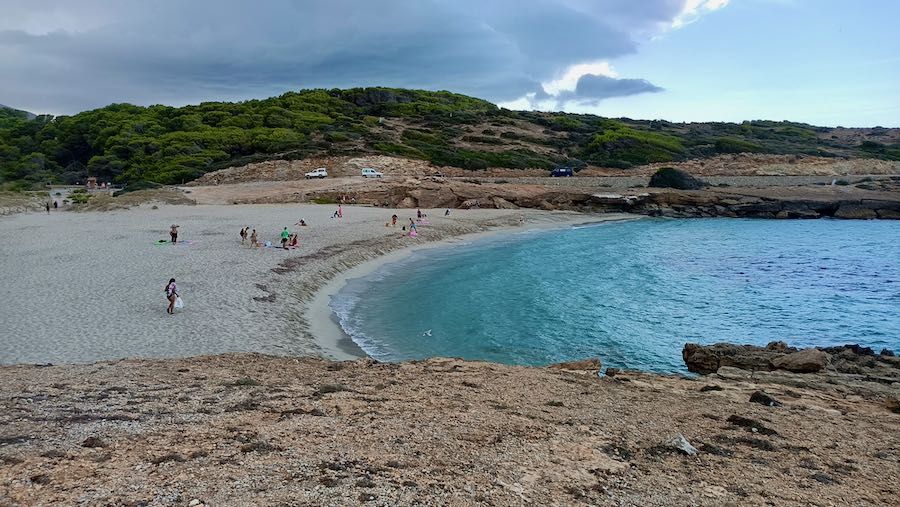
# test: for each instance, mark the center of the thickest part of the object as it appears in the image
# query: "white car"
(368, 172)
(318, 173)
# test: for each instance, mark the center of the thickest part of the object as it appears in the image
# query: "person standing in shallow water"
(173, 232)
(244, 234)
(171, 294)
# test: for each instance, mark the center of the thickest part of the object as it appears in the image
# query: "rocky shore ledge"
(240, 429)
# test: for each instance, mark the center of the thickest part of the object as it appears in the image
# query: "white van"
(368, 172)
(318, 173)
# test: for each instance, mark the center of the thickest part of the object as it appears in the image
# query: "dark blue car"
(560, 172)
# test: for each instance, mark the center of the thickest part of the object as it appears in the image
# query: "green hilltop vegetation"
(129, 144)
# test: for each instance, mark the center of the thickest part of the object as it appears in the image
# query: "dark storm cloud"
(62, 56)
(593, 88)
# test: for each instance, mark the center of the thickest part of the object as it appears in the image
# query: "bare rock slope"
(261, 430)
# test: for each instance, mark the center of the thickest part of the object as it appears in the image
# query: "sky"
(825, 62)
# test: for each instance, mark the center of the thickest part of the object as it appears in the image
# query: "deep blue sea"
(633, 292)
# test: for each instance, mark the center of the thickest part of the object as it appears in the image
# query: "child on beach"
(293, 242)
(285, 235)
(171, 294)
(173, 232)
(244, 234)
(340, 211)
(393, 220)
(301, 223)
(253, 239)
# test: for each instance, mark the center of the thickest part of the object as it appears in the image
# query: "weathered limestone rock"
(764, 398)
(804, 361)
(592, 365)
(681, 444)
(708, 359)
(855, 211)
(501, 203)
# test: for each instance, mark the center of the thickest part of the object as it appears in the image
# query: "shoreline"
(238, 299)
(324, 324)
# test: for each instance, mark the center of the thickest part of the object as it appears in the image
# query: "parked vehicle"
(318, 173)
(562, 172)
(368, 172)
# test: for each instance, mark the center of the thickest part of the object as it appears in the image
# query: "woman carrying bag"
(172, 295)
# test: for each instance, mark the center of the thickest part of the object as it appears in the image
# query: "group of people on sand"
(421, 218)
(288, 239)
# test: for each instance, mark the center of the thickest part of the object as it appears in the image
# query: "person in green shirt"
(284, 238)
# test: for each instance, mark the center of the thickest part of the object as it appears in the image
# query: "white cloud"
(569, 78)
(695, 9)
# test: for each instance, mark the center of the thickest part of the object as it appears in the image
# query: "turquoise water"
(633, 292)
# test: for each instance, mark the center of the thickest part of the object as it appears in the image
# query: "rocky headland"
(777, 187)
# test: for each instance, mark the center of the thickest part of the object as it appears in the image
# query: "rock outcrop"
(804, 361)
(591, 365)
(882, 367)
(707, 359)
(247, 429)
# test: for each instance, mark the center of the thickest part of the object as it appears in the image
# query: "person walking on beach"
(253, 239)
(340, 211)
(47, 206)
(243, 234)
(171, 294)
(173, 232)
(285, 235)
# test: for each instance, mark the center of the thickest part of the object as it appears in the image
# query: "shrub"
(336, 137)
(135, 186)
(625, 144)
(80, 197)
(399, 149)
(730, 145)
(18, 186)
(483, 140)
(668, 177)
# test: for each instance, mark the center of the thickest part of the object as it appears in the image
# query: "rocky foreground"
(244, 429)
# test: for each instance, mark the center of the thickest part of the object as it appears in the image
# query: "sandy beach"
(83, 287)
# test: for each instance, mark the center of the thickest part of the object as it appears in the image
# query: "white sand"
(81, 287)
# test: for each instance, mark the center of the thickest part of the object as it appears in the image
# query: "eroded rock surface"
(242, 429)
